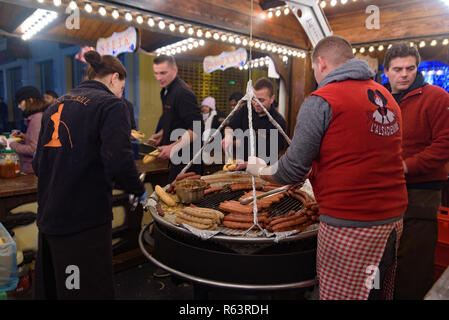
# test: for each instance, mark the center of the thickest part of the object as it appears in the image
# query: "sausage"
(287, 218)
(195, 177)
(212, 190)
(297, 227)
(290, 223)
(195, 224)
(297, 197)
(186, 216)
(308, 199)
(234, 206)
(185, 175)
(243, 186)
(244, 217)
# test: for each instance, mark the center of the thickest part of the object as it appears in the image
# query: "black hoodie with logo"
(83, 152)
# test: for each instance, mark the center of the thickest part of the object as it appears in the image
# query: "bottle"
(9, 162)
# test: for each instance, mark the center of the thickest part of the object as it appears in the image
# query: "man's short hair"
(164, 58)
(52, 93)
(401, 50)
(264, 83)
(335, 49)
(236, 96)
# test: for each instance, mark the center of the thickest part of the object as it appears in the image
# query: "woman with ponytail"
(83, 152)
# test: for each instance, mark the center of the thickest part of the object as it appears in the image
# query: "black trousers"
(416, 254)
(76, 266)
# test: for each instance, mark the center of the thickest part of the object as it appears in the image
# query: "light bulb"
(182, 29)
(57, 3)
(161, 25)
(102, 11)
(139, 19)
(115, 14)
(88, 8)
(172, 27)
(128, 16)
(73, 5)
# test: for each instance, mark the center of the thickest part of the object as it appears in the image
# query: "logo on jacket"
(383, 120)
(56, 118)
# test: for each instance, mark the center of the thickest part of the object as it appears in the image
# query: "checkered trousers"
(348, 258)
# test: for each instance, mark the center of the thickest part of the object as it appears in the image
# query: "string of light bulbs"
(420, 43)
(333, 3)
(179, 27)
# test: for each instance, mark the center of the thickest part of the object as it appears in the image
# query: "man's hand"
(255, 165)
(168, 151)
(155, 139)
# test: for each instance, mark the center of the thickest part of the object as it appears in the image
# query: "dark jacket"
(83, 152)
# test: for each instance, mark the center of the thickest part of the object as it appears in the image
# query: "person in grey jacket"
(355, 165)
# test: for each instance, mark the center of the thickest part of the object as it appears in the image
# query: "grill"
(234, 261)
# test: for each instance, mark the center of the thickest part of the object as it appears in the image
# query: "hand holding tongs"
(272, 192)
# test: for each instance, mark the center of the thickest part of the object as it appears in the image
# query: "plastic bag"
(8, 261)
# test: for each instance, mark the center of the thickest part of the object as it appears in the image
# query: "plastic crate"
(442, 254)
(443, 225)
(8, 261)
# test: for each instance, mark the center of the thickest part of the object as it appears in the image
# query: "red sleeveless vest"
(359, 173)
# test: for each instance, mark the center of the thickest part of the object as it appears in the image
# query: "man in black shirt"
(181, 117)
(268, 140)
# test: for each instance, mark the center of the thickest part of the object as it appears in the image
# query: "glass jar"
(9, 163)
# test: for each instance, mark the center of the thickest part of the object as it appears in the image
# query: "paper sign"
(125, 41)
(225, 60)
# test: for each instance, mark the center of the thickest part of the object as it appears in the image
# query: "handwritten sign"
(225, 60)
(120, 42)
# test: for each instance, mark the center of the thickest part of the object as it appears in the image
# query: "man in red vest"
(349, 133)
(425, 150)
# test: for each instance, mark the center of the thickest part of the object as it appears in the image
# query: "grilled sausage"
(212, 190)
(185, 175)
(237, 225)
(290, 223)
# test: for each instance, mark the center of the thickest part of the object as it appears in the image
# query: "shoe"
(161, 273)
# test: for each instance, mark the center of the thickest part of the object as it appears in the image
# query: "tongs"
(271, 192)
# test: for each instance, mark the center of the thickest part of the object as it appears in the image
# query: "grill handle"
(266, 194)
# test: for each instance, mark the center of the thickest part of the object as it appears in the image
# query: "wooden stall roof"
(399, 19)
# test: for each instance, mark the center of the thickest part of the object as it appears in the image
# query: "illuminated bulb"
(433, 43)
(371, 49)
(172, 27)
(161, 25)
(262, 16)
(216, 36)
(286, 11)
(57, 3)
(208, 34)
(422, 44)
(115, 14)
(245, 42)
(445, 42)
(102, 11)
(190, 46)
(362, 50)
(182, 29)
(245, 67)
(262, 63)
(40, 1)
(240, 68)
(202, 42)
(139, 19)
(284, 51)
(231, 39)
(278, 13)
(257, 45)
(151, 22)
(323, 4)
(263, 46)
(199, 33)
(224, 37)
(256, 64)
(412, 44)
(333, 3)
(238, 41)
(269, 47)
(289, 52)
(128, 16)
(190, 31)
(73, 5)
(173, 51)
(274, 49)
(354, 50)
(389, 46)
(184, 48)
(88, 8)
(270, 14)
(344, 1)
(381, 48)
(178, 50)
(251, 43)
(295, 54)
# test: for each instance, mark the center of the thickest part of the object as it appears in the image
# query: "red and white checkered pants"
(347, 259)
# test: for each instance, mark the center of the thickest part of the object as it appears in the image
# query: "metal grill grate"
(213, 201)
